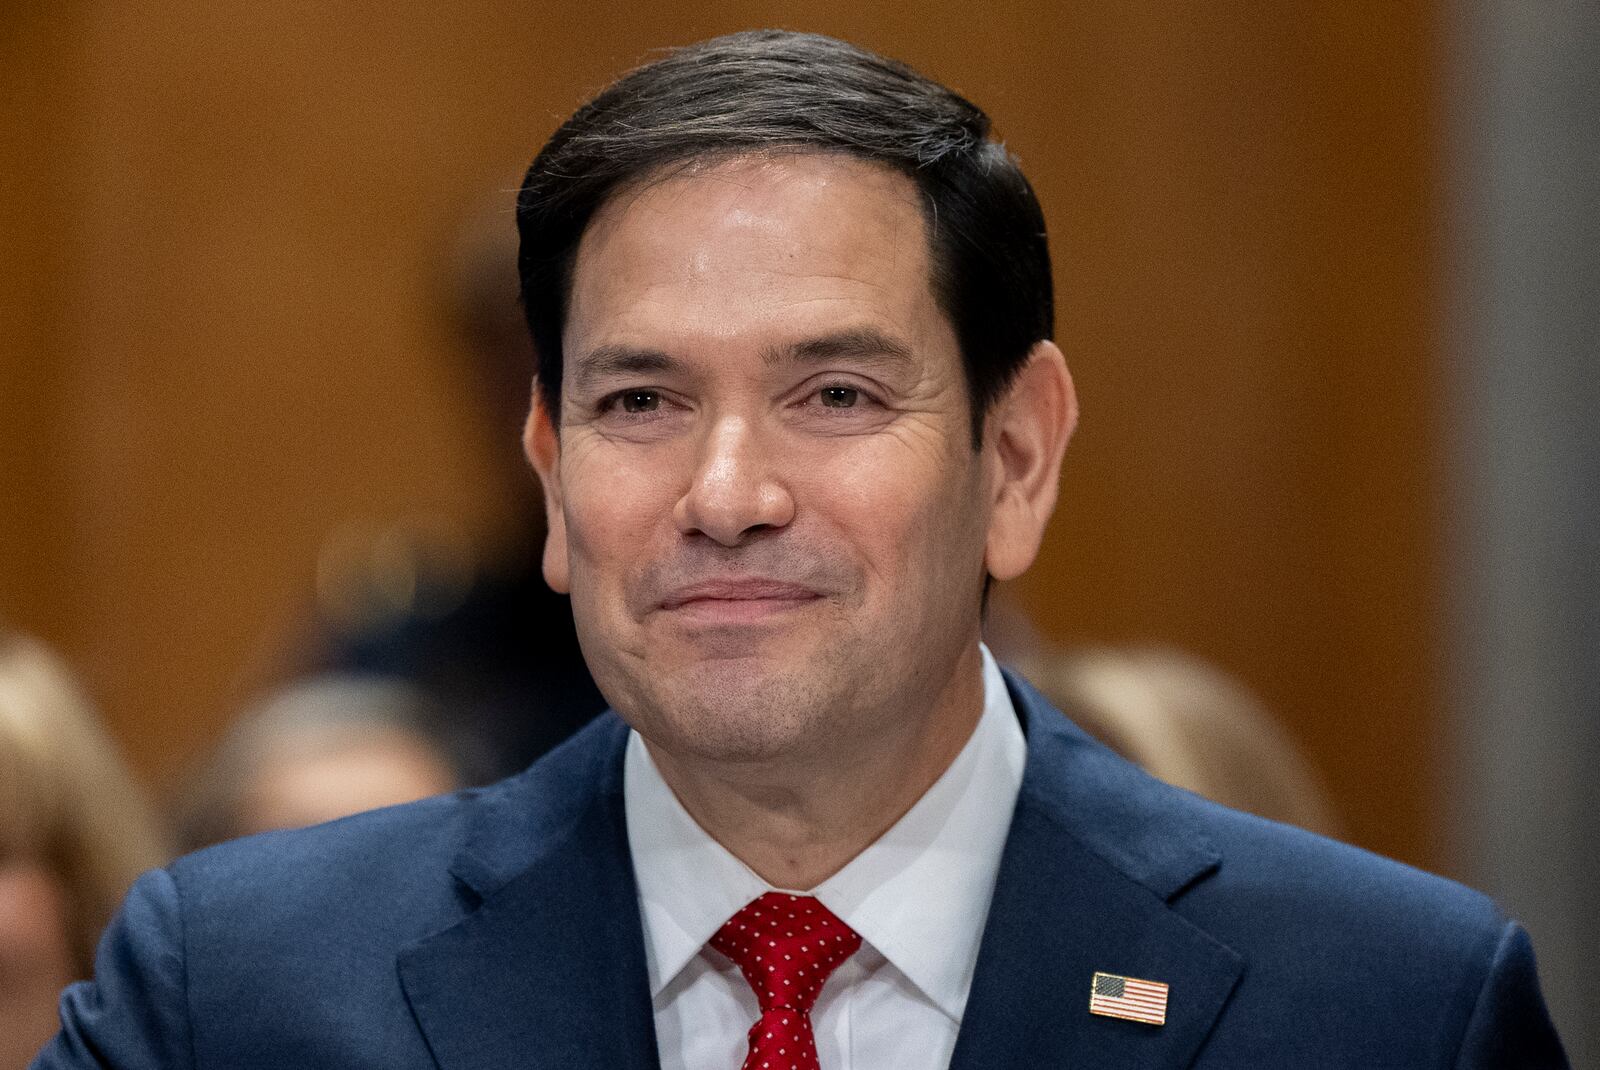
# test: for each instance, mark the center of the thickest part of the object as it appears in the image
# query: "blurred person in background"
(323, 748)
(1188, 723)
(74, 833)
(477, 633)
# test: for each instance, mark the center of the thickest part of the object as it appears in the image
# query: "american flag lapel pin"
(1115, 996)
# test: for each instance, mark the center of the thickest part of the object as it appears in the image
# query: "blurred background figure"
(1188, 723)
(74, 833)
(475, 631)
(320, 749)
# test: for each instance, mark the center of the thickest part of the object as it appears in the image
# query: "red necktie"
(786, 946)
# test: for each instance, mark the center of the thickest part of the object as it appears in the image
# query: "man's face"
(765, 502)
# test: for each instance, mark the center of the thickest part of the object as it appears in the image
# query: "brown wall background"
(224, 227)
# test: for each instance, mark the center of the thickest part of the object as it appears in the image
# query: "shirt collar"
(918, 895)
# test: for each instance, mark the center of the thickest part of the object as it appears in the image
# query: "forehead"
(755, 248)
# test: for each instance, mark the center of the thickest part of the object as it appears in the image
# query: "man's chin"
(699, 643)
(728, 710)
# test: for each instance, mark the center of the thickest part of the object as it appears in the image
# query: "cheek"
(913, 515)
(614, 512)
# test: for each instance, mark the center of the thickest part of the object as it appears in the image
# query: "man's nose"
(734, 491)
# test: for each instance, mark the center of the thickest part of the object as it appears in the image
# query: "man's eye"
(639, 400)
(839, 397)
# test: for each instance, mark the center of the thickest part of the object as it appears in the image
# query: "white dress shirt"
(918, 896)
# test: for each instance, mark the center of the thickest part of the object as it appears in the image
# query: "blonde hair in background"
(1187, 723)
(67, 803)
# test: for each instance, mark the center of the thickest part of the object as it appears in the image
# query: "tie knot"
(786, 946)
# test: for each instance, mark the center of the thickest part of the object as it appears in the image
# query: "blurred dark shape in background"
(74, 833)
(323, 748)
(487, 642)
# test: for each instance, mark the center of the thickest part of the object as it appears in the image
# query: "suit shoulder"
(409, 848)
(382, 865)
(1265, 858)
(1298, 894)
(1401, 964)
(388, 837)
(1234, 873)
(397, 873)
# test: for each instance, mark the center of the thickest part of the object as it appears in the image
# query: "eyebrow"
(614, 361)
(865, 344)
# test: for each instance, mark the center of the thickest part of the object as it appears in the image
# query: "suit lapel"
(548, 970)
(1095, 854)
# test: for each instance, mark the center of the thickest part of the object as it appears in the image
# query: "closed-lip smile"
(736, 599)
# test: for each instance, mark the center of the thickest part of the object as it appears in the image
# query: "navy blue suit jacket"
(500, 928)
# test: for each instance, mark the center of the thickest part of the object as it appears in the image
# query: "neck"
(797, 822)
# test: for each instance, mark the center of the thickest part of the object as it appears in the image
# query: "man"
(797, 407)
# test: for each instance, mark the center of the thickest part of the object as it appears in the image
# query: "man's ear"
(1027, 432)
(543, 448)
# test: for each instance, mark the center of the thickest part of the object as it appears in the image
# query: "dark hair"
(771, 90)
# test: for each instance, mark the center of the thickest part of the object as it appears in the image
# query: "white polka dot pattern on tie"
(786, 946)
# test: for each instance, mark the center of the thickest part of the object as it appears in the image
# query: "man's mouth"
(736, 600)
